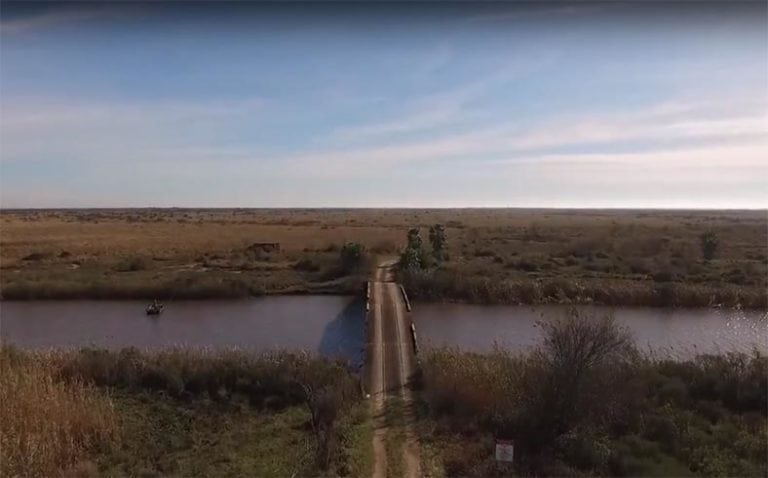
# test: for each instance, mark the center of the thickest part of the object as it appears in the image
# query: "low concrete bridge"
(390, 364)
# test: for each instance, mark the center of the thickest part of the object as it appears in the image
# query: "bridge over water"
(390, 364)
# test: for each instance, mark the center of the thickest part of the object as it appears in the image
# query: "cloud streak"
(108, 132)
(660, 125)
(434, 110)
(163, 136)
(57, 17)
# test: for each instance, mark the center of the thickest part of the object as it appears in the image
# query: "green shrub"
(350, 257)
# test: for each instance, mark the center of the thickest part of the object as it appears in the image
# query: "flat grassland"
(630, 257)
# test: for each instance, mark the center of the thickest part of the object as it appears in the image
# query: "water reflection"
(675, 333)
(344, 336)
(332, 325)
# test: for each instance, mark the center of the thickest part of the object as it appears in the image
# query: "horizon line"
(565, 208)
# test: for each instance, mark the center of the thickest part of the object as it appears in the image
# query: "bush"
(573, 375)
(274, 379)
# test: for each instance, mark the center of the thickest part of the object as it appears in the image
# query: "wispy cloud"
(175, 133)
(111, 131)
(60, 16)
(432, 110)
(658, 126)
(418, 119)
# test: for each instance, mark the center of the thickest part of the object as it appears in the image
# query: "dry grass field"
(537, 254)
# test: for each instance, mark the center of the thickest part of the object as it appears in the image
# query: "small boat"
(154, 309)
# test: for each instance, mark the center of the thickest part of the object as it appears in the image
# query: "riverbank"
(94, 412)
(184, 286)
(451, 285)
(585, 402)
(433, 286)
(591, 406)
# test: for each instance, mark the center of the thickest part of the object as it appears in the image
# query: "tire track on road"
(390, 368)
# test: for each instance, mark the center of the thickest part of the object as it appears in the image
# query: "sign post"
(505, 450)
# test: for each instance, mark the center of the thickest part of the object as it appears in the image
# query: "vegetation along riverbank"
(507, 256)
(180, 413)
(585, 403)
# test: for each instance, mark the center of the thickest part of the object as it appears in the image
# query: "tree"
(437, 240)
(413, 257)
(323, 404)
(410, 259)
(414, 239)
(351, 256)
(572, 375)
(709, 243)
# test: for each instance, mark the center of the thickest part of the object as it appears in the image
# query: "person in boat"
(155, 307)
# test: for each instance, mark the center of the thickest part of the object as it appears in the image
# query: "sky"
(616, 105)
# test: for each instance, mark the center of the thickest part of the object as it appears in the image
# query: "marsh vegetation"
(630, 257)
(586, 403)
(179, 412)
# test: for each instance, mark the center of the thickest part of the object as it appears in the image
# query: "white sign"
(505, 450)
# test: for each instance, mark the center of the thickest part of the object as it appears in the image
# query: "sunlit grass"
(48, 425)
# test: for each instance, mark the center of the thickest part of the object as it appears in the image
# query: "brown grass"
(48, 426)
(129, 253)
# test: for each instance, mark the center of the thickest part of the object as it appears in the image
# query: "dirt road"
(391, 364)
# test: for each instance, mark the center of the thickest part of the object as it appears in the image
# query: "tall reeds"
(47, 425)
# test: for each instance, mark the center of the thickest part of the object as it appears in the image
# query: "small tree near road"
(410, 259)
(413, 257)
(351, 257)
(414, 239)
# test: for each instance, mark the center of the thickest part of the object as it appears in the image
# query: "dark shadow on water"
(344, 336)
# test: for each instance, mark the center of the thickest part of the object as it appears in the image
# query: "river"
(334, 326)
(675, 333)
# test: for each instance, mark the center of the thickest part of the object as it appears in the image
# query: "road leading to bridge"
(390, 364)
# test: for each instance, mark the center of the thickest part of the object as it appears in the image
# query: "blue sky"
(420, 105)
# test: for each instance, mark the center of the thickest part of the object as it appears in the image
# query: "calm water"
(332, 326)
(669, 332)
